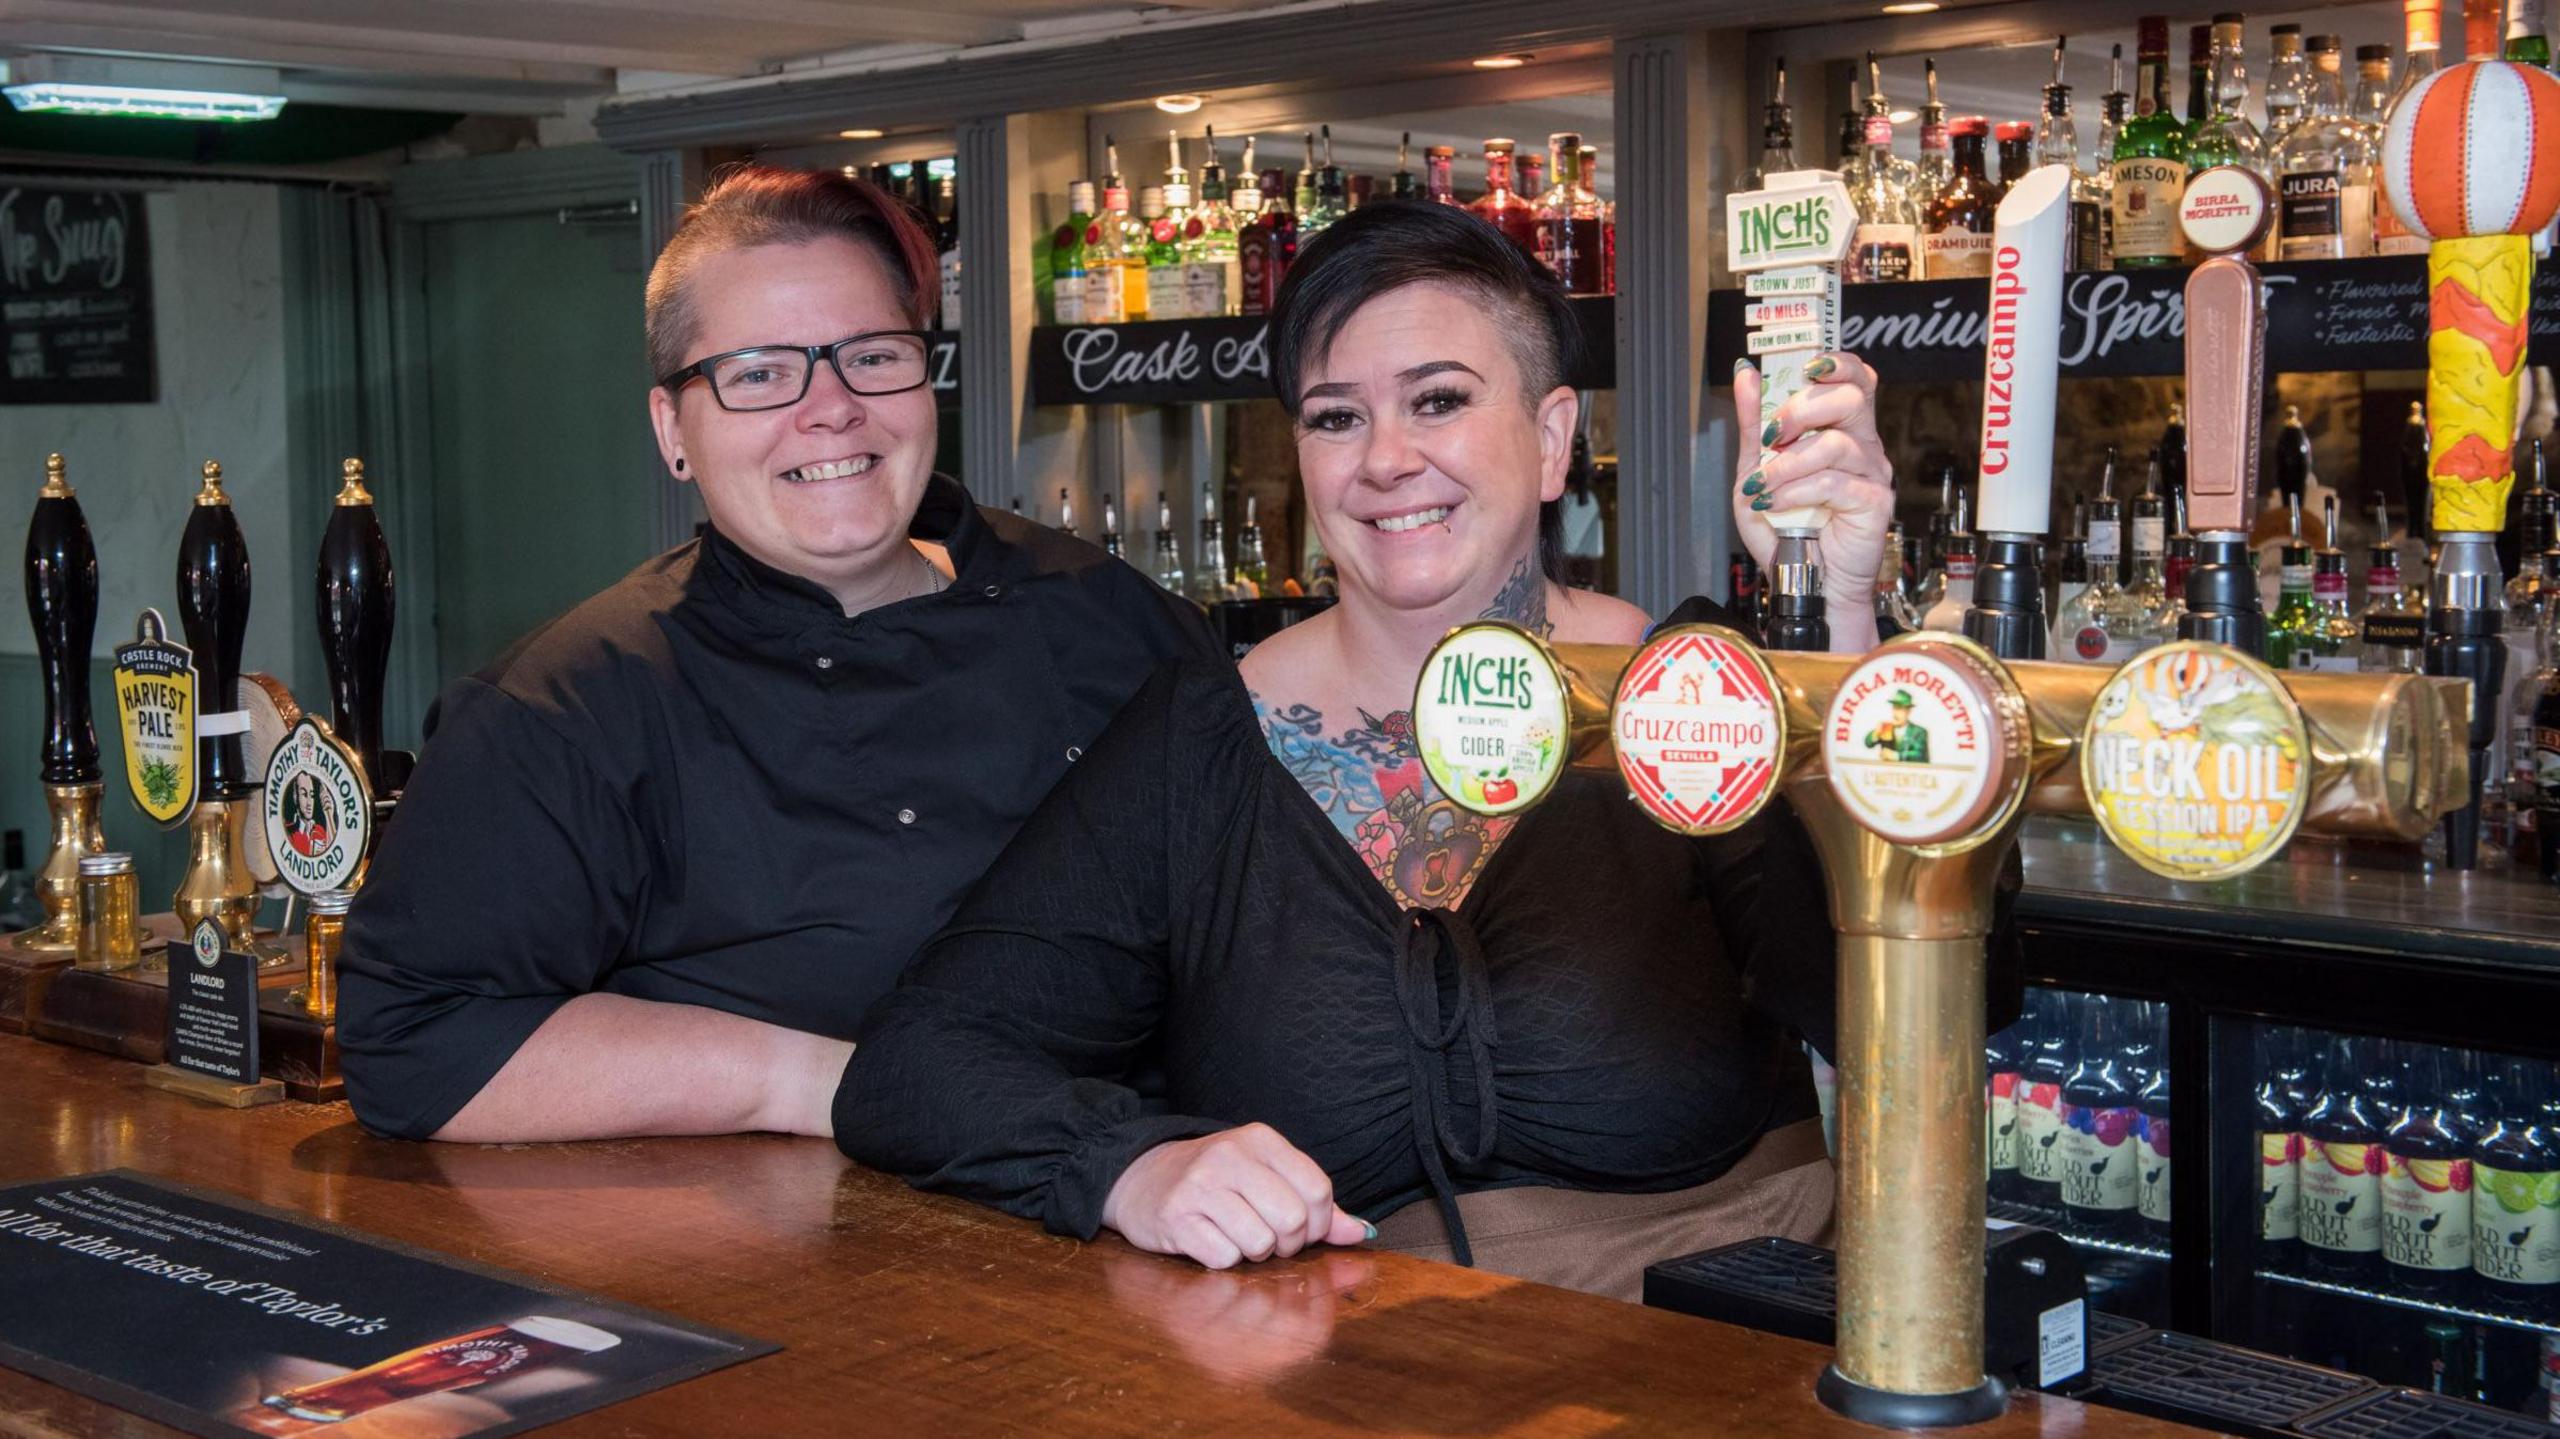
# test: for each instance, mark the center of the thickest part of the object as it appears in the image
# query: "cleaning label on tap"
(2196, 761)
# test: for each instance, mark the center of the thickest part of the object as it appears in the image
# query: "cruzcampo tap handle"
(213, 609)
(62, 603)
(355, 606)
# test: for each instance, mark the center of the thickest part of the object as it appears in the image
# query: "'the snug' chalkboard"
(75, 298)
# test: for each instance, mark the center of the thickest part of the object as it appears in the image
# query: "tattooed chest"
(1369, 780)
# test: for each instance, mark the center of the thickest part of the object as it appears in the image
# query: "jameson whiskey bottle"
(2148, 175)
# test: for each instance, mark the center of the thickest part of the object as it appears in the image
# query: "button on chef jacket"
(708, 786)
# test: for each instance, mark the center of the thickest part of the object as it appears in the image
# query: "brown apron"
(1600, 1243)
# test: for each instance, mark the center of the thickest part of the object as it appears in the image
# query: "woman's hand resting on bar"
(1825, 452)
(1243, 1193)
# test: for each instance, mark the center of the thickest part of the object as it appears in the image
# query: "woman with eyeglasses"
(659, 858)
(1559, 1046)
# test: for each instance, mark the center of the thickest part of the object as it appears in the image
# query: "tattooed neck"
(1523, 601)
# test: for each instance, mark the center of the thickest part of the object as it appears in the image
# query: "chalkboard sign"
(75, 298)
(2321, 315)
(1178, 362)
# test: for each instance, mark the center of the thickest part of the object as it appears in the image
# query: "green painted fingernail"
(1761, 503)
(1741, 367)
(1751, 483)
(1768, 434)
(1820, 368)
(1368, 1231)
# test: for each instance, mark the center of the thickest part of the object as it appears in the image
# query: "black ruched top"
(1610, 1008)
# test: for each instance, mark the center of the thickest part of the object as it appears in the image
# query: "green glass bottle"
(1060, 274)
(2526, 42)
(2297, 629)
(2147, 174)
(2228, 136)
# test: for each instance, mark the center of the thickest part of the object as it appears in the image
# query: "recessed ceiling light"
(1911, 7)
(1502, 62)
(860, 134)
(1903, 117)
(1178, 104)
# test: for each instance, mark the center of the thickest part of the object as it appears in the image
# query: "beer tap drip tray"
(2222, 1387)
(2408, 1414)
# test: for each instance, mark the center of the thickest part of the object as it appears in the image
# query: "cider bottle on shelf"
(2426, 1186)
(2148, 170)
(1959, 221)
(2515, 1197)
(2101, 1170)
(2278, 1128)
(2040, 1079)
(2342, 1163)
(2000, 1111)
(2151, 1128)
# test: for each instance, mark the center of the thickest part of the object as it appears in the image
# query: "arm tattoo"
(1369, 780)
(1523, 601)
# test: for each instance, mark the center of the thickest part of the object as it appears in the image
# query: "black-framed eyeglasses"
(769, 377)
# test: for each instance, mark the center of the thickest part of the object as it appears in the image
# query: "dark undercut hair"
(1386, 245)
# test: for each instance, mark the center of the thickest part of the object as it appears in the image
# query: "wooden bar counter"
(907, 1313)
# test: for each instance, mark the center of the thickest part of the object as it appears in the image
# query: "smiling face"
(1424, 459)
(823, 489)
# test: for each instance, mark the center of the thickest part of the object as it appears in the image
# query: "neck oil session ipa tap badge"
(1699, 729)
(156, 708)
(1490, 715)
(1913, 747)
(2196, 761)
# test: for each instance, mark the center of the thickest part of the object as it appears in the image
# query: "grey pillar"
(996, 306)
(669, 180)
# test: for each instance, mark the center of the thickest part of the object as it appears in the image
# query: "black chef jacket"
(707, 786)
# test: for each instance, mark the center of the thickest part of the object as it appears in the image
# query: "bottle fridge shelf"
(2046, 1217)
(2435, 1307)
(2408, 1414)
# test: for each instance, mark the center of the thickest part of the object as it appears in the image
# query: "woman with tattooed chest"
(1560, 1046)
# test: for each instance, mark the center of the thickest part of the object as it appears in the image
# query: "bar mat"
(2409, 1414)
(2220, 1386)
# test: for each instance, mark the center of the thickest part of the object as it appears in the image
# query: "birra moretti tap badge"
(156, 708)
(2196, 761)
(317, 810)
(1912, 746)
(1699, 729)
(1489, 714)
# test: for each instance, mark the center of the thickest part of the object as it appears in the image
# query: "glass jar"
(110, 913)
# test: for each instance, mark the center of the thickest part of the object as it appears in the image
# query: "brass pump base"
(217, 885)
(74, 809)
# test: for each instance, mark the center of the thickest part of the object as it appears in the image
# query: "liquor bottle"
(1164, 290)
(1937, 167)
(1777, 132)
(1266, 248)
(1529, 175)
(1959, 223)
(946, 206)
(2339, 641)
(2324, 172)
(1516, 218)
(2515, 1198)
(2423, 29)
(2199, 74)
(2288, 91)
(2016, 140)
(2148, 611)
(2371, 107)
(1587, 167)
(2040, 1080)
(1168, 555)
(1209, 251)
(2077, 632)
(1935, 541)
(1439, 166)
(2392, 633)
(2482, 29)
(1066, 512)
(2293, 631)
(2278, 1127)
(1253, 568)
(1893, 603)
(2182, 552)
(1402, 187)
(2101, 1172)
(2114, 108)
(1569, 221)
(1887, 244)
(1948, 613)
(2172, 454)
(2001, 1058)
(1850, 147)
(2074, 571)
(2530, 597)
(1116, 270)
(2148, 166)
(1070, 251)
(1208, 583)
(1333, 200)
(2228, 136)
(1303, 197)
(2151, 1129)
(1742, 581)
(2058, 143)
(2527, 41)
(2426, 1187)
(2342, 1163)
(1112, 544)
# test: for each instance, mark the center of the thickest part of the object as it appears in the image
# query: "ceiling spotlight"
(860, 134)
(1911, 7)
(1178, 104)
(1502, 62)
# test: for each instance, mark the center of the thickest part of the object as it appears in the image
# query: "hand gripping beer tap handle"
(62, 603)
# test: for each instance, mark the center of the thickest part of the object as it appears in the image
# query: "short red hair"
(761, 205)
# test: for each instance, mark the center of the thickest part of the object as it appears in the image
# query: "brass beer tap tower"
(62, 600)
(1913, 768)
